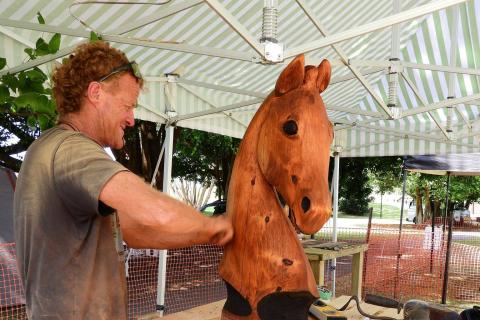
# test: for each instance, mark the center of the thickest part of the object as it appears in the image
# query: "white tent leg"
(336, 176)
(162, 256)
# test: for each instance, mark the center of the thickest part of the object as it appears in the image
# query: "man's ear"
(93, 92)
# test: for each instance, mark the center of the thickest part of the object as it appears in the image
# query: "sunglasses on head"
(131, 66)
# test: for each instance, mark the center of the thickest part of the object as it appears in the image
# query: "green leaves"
(36, 75)
(39, 108)
(10, 81)
(54, 43)
(94, 36)
(30, 52)
(4, 93)
(40, 18)
(41, 47)
(36, 101)
(26, 104)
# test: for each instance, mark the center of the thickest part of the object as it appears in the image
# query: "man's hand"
(224, 232)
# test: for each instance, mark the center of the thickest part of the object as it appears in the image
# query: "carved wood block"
(283, 155)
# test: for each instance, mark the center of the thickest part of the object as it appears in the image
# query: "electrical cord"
(363, 313)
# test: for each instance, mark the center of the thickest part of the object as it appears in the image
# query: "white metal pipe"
(309, 12)
(213, 105)
(424, 102)
(441, 104)
(223, 88)
(436, 67)
(355, 111)
(453, 50)
(336, 175)
(393, 132)
(216, 110)
(158, 15)
(15, 36)
(336, 179)
(162, 256)
(352, 77)
(235, 25)
(194, 49)
(403, 135)
(372, 26)
(395, 50)
(39, 61)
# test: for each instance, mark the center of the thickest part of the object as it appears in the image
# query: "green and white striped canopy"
(205, 66)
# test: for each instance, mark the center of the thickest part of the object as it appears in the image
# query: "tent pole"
(449, 244)
(162, 255)
(433, 237)
(404, 176)
(171, 99)
(336, 176)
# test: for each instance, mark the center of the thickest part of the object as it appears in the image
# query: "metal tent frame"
(405, 80)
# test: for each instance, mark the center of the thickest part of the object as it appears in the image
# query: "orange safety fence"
(12, 297)
(411, 267)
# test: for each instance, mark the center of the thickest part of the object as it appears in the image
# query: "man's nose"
(130, 118)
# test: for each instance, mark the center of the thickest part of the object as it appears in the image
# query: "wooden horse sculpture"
(284, 154)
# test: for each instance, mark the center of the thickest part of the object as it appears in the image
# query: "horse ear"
(292, 76)
(324, 73)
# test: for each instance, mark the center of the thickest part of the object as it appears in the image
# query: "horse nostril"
(305, 204)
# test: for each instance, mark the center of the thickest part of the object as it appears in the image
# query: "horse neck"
(246, 164)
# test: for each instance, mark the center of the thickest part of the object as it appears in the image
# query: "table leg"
(318, 268)
(357, 269)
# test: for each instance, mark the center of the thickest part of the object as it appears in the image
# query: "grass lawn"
(388, 212)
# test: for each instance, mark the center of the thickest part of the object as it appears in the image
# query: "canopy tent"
(404, 78)
(454, 164)
(407, 89)
(449, 165)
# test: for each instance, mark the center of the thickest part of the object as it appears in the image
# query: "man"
(69, 246)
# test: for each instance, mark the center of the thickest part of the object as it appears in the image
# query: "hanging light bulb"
(449, 128)
(273, 50)
(270, 21)
(392, 91)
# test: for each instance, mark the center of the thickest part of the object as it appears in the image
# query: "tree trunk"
(143, 143)
(428, 209)
(436, 208)
(381, 204)
(419, 207)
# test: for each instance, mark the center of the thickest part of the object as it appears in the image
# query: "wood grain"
(286, 150)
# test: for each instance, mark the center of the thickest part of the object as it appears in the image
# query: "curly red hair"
(89, 62)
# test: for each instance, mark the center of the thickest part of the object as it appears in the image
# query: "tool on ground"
(383, 302)
(323, 311)
(414, 309)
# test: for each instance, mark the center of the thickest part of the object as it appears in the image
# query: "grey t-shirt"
(67, 241)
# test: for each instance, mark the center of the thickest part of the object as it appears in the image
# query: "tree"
(384, 183)
(205, 158)
(431, 190)
(354, 186)
(142, 147)
(358, 177)
(385, 175)
(26, 104)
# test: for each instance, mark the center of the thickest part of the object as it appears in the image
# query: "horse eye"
(290, 127)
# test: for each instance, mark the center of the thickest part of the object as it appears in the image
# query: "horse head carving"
(283, 155)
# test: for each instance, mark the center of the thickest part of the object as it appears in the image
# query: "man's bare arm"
(151, 219)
